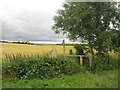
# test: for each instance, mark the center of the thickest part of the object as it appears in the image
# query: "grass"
(107, 79)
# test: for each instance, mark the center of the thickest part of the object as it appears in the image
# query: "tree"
(116, 42)
(93, 22)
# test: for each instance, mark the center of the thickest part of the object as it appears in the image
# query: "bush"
(103, 63)
(71, 67)
(25, 67)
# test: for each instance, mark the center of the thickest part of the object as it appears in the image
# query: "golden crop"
(25, 49)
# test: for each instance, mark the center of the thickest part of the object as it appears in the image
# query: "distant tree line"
(22, 42)
(4, 41)
(18, 42)
(27, 42)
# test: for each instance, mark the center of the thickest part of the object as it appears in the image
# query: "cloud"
(28, 20)
(28, 25)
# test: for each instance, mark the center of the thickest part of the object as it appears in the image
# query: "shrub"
(25, 67)
(103, 63)
(71, 67)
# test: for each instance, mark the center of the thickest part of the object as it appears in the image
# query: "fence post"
(81, 61)
(90, 61)
(63, 47)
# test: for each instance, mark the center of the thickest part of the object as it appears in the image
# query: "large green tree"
(93, 22)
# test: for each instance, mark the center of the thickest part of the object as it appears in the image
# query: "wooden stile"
(81, 56)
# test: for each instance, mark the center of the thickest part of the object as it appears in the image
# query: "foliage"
(103, 63)
(92, 22)
(107, 79)
(116, 41)
(25, 67)
(79, 50)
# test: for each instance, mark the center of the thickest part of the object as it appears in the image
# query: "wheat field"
(26, 49)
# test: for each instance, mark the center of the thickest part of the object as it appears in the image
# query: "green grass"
(106, 79)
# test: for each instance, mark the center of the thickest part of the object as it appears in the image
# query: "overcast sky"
(29, 20)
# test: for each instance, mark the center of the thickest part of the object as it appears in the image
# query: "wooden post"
(63, 47)
(81, 61)
(90, 61)
(81, 58)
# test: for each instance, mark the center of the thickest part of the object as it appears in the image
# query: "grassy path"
(108, 79)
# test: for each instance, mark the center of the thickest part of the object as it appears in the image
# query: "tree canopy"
(96, 23)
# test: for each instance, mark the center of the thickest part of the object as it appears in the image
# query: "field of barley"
(26, 49)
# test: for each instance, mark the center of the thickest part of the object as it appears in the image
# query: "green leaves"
(38, 67)
(79, 50)
(93, 22)
(103, 63)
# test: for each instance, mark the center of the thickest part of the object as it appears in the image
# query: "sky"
(29, 20)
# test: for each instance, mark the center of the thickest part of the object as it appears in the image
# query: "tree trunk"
(92, 54)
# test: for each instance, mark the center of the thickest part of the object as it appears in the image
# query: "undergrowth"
(25, 67)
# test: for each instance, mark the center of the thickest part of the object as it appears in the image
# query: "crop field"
(25, 49)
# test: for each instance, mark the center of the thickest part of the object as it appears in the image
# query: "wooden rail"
(81, 58)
